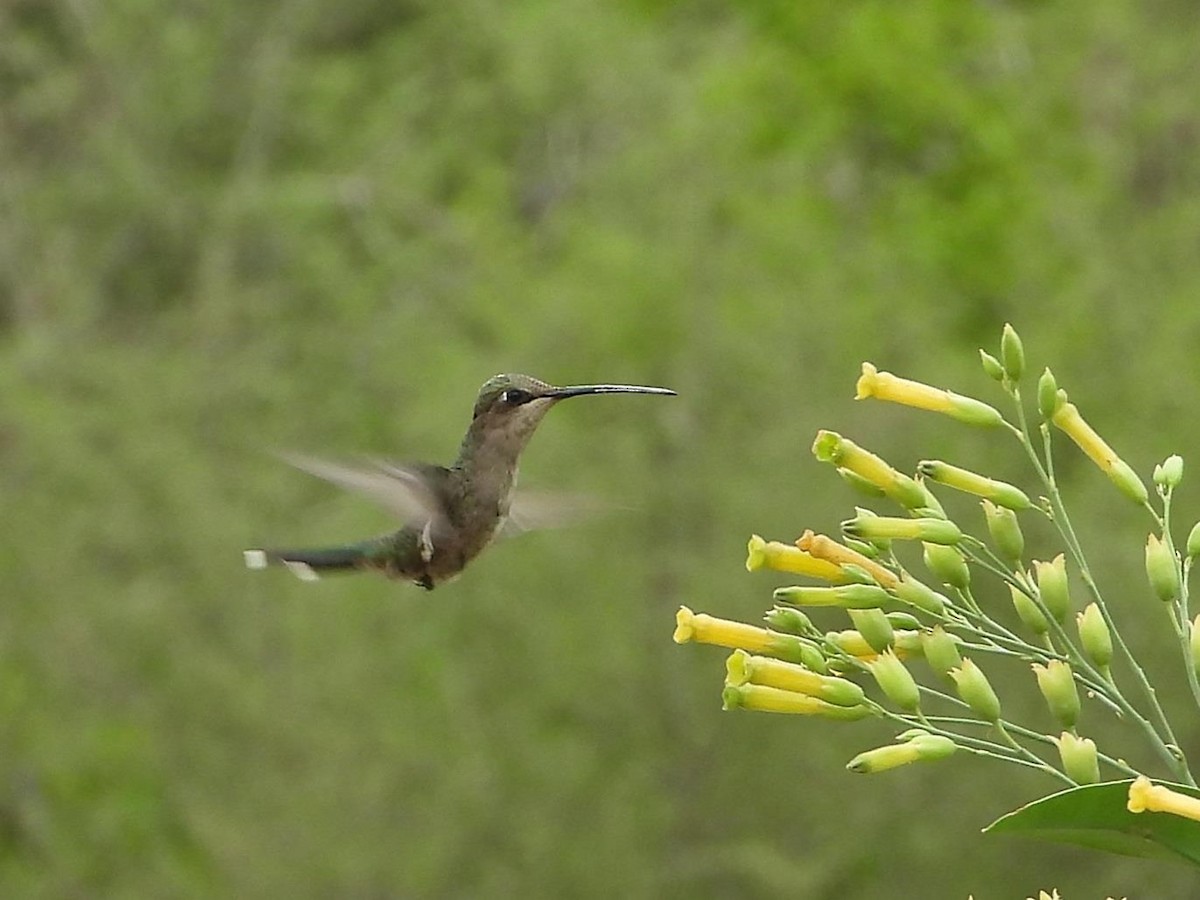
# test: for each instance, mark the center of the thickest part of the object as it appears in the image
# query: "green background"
(233, 227)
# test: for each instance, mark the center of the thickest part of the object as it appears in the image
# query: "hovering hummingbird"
(450, 513)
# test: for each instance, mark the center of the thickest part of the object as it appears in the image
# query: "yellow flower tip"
(866, 382)
(739, 668)
(1145, 796)
(756, 553)
(684, 629)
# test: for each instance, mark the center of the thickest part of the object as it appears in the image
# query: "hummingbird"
(450, 513)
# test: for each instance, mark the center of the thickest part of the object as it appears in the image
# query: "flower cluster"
(917, 640)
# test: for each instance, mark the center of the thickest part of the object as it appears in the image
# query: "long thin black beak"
(578, 390)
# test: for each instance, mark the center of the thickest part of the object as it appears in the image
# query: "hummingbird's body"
(451, 513)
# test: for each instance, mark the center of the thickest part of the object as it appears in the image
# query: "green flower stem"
(1184, 616)
(1172, 754)
(1185, 638)
(1028, 754)
(1119, 765)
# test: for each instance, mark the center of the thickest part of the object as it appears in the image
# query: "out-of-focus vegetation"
(230, 227)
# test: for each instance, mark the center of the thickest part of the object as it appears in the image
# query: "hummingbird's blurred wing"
(409, 491)
(532, 510)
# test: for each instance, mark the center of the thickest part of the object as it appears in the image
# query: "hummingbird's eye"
(516, 396)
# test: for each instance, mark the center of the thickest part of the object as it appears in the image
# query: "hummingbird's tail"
(309, 565)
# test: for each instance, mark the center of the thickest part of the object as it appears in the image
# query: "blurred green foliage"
(229, 227)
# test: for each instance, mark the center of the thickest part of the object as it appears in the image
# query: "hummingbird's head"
(511, 406)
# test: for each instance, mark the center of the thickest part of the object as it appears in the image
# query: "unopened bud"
(1013, 353)
(905, 620)
(1193, 542)
(991, 366)
(1169, 473)
(874, 626)
(1006, 533)
(1094, 635)
(947, 565)
(1079, 758)
(826, 548)
(790, 620)
(976, 691)
(895, 681)
(1048, 396)
(1161, 569)
(941, 650)
(1027, 611)
(920, 595)
(1195, 644)
(1056, 681)
(1053, 587)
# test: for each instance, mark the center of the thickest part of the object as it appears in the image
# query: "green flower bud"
(1006, 533)
(936, 531)
(976, 691)
(1013, 353)
(991, 366)
(973, 483)
(1079, 758)
(1031, 617)
(1048, 395)
(1094, 635)
(919, 595)
(743, 668)
(1195, 644)
(846, 596)
(895, 681)
(1193, 542)
(1053, 588)
(790, 621)
(941, 650)
(1161, 569)
(908, 643)
(860, 484)
(905, 620)
(947, 565)
(918, 747)
(874, 626)
(1056, 681)
(1170, 472)
(867, 549)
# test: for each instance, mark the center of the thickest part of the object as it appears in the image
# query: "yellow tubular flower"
(886, 386)
(742, 668)
(935, 531)
(1068, 419)
(826, 548)
(1000, 492)
(768, 699)
(831, 447)
(922, 746)
(786, 558)
(1145, 796)
(705, 629)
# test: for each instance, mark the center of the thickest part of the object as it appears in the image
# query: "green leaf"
(1095, 816)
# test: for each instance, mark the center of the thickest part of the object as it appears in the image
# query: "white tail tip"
(255, 559)
(301, 570)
